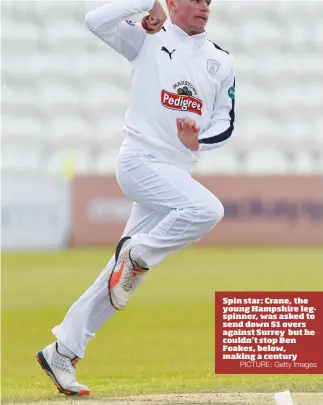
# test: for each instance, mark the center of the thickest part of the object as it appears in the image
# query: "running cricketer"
(183, 96)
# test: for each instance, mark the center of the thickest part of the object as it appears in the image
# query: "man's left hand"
(188, 133)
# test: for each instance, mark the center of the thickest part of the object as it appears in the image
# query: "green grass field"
(163, 341)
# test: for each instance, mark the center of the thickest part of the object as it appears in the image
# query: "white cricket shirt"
(173, 75)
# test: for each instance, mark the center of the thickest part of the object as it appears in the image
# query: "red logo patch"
(181, 102)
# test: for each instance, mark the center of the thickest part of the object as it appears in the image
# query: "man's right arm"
(109, 23)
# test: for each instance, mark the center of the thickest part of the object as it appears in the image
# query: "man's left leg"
(87, 315)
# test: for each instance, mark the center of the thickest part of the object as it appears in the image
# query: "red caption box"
(269, 332)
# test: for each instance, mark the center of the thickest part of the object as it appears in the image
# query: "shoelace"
(63, 363)
(129, 280)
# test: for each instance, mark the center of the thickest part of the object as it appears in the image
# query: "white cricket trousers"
(171, 210)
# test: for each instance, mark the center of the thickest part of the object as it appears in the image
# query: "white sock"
(65, 351)
(135, 256)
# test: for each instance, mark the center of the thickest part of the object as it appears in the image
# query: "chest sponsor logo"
(181, 102)
(185, 87)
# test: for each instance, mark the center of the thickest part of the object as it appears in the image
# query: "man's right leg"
(192, 211)
(88, 314)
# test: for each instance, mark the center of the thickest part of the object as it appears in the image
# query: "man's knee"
(212, 211)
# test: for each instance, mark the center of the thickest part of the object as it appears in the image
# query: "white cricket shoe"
(61, 370)
(123, 275)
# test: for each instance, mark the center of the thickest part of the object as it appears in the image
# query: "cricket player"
(183, 90)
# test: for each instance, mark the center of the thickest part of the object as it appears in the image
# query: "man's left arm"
(223, 116)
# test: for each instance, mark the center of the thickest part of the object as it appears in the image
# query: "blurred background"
(65, 94)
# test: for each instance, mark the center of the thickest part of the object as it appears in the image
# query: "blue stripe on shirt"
(227, 133)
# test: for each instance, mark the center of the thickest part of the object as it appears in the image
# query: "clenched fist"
(188, 133)
(154, 21)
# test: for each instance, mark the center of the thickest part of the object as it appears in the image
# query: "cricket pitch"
(189, 399)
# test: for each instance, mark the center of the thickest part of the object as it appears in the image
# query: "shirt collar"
(197, 40)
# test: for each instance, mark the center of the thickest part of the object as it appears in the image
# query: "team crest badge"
(212, 66)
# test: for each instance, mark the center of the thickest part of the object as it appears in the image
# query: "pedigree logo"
(181, 102)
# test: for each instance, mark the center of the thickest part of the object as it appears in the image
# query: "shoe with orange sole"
(61, 370)
(124, 274)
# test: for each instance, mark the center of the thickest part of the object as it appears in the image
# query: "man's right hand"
(154, 21)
